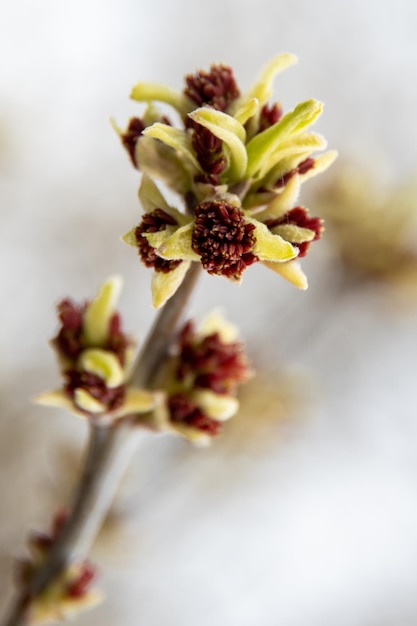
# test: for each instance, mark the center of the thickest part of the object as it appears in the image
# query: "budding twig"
(110, 450)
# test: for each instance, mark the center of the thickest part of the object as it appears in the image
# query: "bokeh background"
(305, 512)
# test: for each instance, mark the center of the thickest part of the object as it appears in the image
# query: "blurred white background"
(313, 524)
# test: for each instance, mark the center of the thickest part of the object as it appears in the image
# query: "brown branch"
(109, 453)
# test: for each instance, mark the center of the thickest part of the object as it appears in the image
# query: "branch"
(109, 453)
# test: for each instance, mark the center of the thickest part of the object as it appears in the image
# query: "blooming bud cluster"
(238, 163)
(69, 593)
(95, 357)
(383, 221)
(209, 365)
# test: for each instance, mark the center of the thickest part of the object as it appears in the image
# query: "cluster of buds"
(238, 163)
(95, 358)
(208, 365)
(69, 593)
(383, 222)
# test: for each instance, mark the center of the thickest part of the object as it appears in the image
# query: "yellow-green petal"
(247, 111)
(231, 132)
(56, 398)
(282, 203)
(115, 127)
(130, 238)
(304, 145)
(160, 237)
(262, 90)
(179, 245)
(269, 247)
(321, 163)
(163, 162)
(291, 271)
(150, 196)
(136, 401)
(217, 121)
(86, 402)
(198, 437)
(289, 154)
(292, 232)
(165, 284)
(255, 202)
(104, 364)
(175, 138)
(215, 322)
(162, 422)
(60, 400)
(283, 166)
(220, 407)
(145, 92)
(151, 115)
(265, 144)
(100, 311)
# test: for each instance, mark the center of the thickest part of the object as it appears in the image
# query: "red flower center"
(214, 364)
(153, 223)
(216, 88)
(131, 136)
(208, 149)
(223, 239)
(185, 411)
(270, 115)
(112, 398)
(299, 217)
(79, 587)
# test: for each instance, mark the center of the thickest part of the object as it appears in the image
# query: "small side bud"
(69, 593)
(95, 357)
(209, 365)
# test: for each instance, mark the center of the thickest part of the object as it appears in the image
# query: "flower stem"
(108, 455)
(155, 348)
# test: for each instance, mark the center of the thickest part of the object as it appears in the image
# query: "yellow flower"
(202, 380)
(238, 163)
(259, 144)
(95, 358)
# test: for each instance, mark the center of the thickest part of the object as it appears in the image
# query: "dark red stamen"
(79, 587)
(26, 569)
(305, 165)
(214, 364)
(270, 115)
(301, 168)
(40, 540)
(130, 137)
(58, 522)
(68, 340)
(223, 239)
(299, 217)
(112, 398)
(152, 223)
(117, 341)
(216, 88)
(208, 149)
(185, 411)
